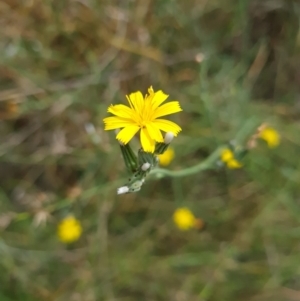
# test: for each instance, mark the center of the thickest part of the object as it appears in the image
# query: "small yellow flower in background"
(143, 115)
(227, 156)
(234, 164)
(69, 229)
(184, 219)
(166, 158)
(271, 136)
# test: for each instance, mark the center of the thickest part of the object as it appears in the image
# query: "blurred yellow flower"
(143, 114)
(234, 164)
(227, 156)
(271, 136)
(69, 229)
(184, 219)
(166, 158)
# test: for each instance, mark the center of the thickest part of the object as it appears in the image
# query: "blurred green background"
(62, 64)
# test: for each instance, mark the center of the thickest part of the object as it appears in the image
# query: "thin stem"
(209, 163)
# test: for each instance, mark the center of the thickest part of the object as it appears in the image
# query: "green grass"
(62, 64)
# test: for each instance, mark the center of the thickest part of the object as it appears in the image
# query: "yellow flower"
(69, 229)
(227, 156)
(271, 136)
(233, 164)
(184, 219)
(166, 158)
(143, 114)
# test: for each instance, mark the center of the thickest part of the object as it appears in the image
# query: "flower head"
(234, 164)
(184, 219)
(227, 156)
(69, 229)
(143, 115)
(271, 136)
(166, 158)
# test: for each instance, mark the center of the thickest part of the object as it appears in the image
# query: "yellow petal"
(150, 90)
(126, 134)
(167, 126)
(154, 132)
(167, 109)
(158, 98)
(112, 123)
(151, 94)
(121, 111)
(148, 144)
(271, 136)
(136, 101)
(147, 110)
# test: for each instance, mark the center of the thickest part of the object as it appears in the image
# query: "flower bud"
(146, 166)
(168, 137)
(123, 189)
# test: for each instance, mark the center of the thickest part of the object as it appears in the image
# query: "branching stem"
(210, 162)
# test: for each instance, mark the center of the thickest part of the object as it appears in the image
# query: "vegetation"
(229, 64)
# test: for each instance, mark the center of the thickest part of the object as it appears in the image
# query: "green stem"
(247, 130)
(209, 163)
